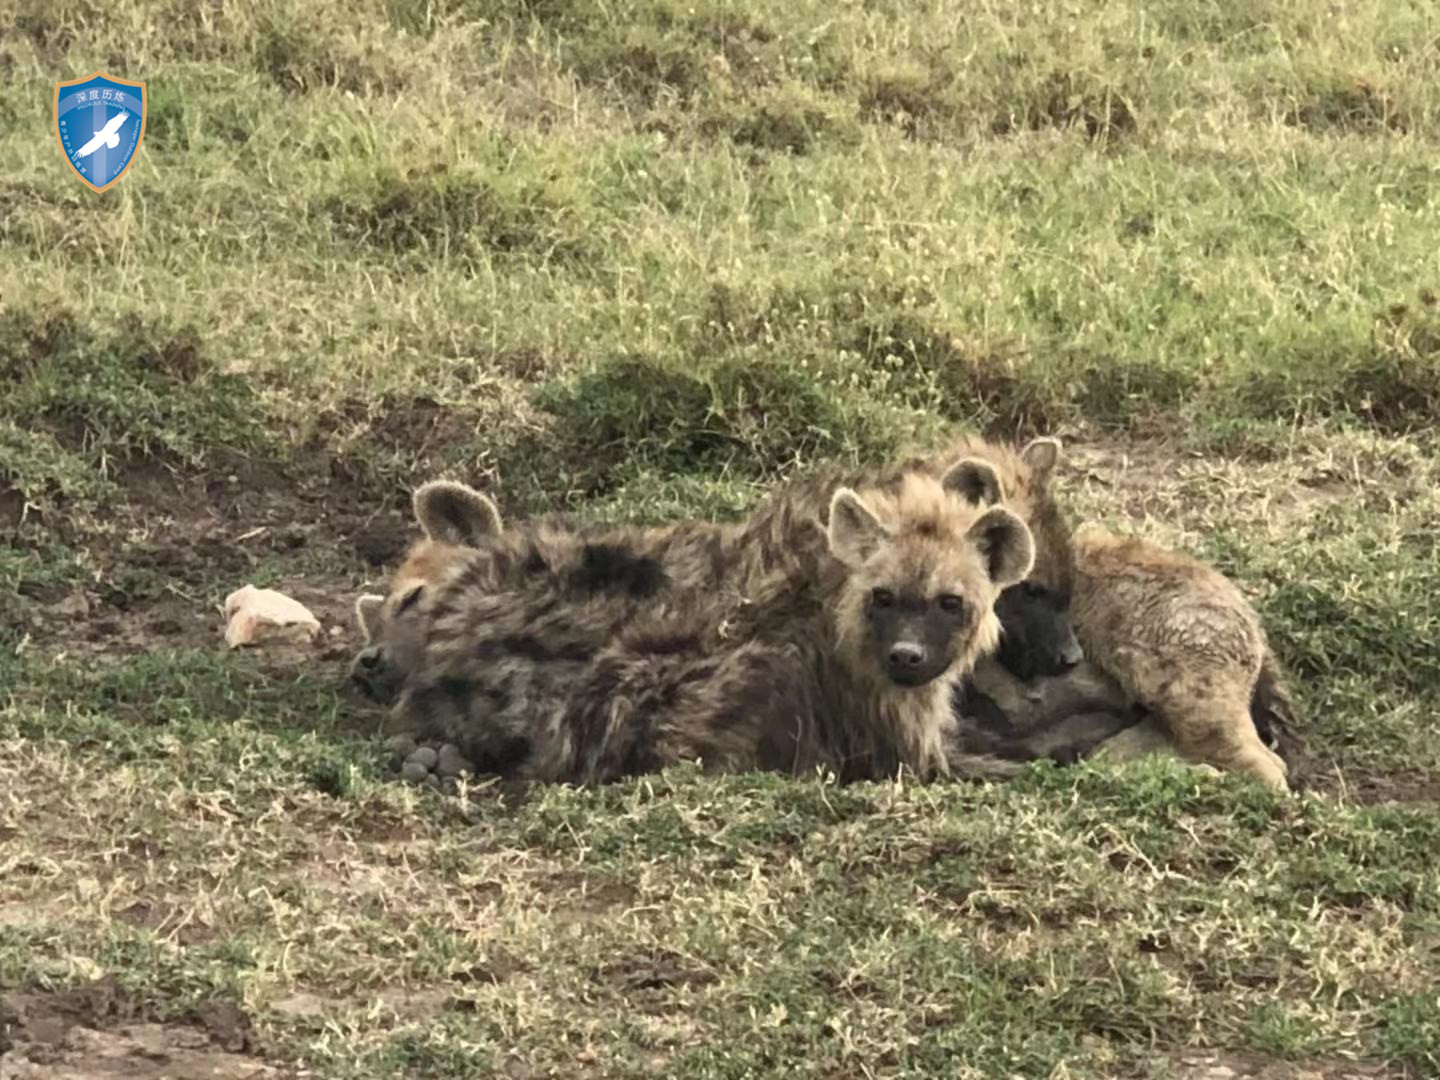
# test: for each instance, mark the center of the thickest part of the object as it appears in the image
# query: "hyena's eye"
(408, 600)
(882, 597)
(951, 604)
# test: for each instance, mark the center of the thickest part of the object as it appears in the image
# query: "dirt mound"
(101, 1030)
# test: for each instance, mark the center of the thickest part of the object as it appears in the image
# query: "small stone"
(425, 756)
(415, 773)
(76, 605)
(451, 762)
(432, 781)
(402, 745)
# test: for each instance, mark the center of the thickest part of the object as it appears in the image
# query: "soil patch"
(162, 562)
(1366, 787)
(102, 1030)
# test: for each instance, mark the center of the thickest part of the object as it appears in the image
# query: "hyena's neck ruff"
(914, 721)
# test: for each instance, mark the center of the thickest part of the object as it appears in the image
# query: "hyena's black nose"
(906, 655)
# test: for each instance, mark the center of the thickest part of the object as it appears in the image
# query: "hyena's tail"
(1275, 718)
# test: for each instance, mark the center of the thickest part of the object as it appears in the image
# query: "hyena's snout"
(915, 659)
(371, 674)
(906, 661)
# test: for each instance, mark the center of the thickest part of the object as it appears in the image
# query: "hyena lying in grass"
(556, 568)
(597, 576)
(696, 556)
(843, 657)
(1183, 641)
(1175, 615)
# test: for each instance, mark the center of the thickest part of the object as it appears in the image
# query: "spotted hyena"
(842, 657)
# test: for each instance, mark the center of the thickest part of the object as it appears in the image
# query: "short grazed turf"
(638, 260)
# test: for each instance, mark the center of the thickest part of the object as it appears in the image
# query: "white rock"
(255, 615)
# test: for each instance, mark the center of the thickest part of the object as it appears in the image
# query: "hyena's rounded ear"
(367, 614)
(853, 531)
(975, 481)
(455, 513)
(1042, 455)
(1005, 544)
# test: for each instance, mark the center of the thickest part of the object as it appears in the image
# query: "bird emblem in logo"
(100, 124)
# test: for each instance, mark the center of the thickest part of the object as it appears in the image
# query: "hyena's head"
(1037, 637)
(456, 519)
(1025, 478)
(925, 566)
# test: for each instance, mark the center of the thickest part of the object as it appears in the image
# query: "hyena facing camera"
(845, 658)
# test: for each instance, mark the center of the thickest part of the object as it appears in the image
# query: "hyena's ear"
(454, 513)
(1005, 544)
(1042, 455)
(975, 481)
(367, 614)
(854, 532)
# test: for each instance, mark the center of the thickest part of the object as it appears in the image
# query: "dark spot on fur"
(505, 755)
(534, 649)
(611, 568)
(664, 643)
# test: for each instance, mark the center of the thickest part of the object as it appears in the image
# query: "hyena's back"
(1182, 641)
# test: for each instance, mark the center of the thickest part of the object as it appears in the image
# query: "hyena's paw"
(1271, 768)
(433, 765)
(1258, 761)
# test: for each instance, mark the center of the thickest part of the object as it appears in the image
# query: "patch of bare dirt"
(583, 898)
(1366, 787)
(102, 1031)
(167, 922)
(653, 970)
(159, 561)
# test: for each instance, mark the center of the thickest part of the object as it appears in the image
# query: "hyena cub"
(1182, 641)
(844, 657)
(1038, 697)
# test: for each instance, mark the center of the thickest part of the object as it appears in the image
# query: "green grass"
(639, 260)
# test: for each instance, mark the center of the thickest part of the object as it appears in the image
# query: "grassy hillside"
(637, 259)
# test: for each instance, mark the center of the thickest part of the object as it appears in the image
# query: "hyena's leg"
(1218, 730)
(1140, 740)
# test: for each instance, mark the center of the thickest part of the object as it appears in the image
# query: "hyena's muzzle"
(374, 676)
